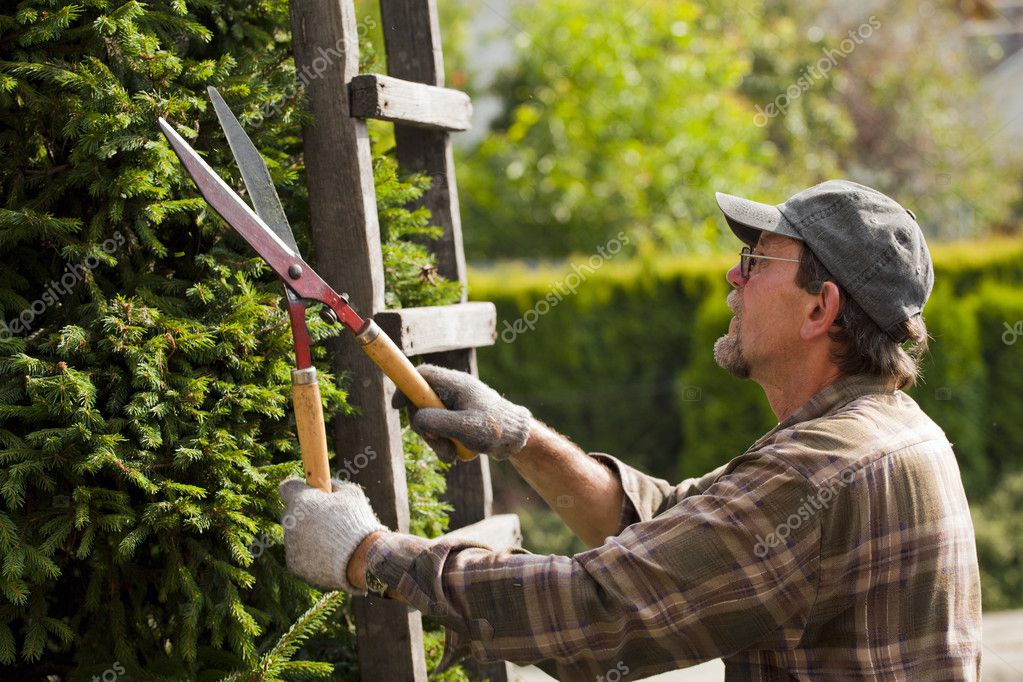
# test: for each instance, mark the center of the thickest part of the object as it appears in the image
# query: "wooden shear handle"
(403, 373)
(312, 434)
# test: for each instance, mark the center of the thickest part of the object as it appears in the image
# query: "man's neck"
(789, 390)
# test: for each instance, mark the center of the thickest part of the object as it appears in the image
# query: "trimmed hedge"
(625, 364)
(145, 416)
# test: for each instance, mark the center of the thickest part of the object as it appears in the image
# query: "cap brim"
(749, 218)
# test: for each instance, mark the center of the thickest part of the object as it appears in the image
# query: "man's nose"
(734, 276)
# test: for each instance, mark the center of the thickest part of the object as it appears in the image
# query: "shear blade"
(255, 174)
(230, 206)
(296, 274)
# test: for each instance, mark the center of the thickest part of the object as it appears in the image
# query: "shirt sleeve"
(647, 496)
(695, 583)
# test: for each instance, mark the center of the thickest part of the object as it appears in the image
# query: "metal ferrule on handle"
(312, 434)
(403, 373)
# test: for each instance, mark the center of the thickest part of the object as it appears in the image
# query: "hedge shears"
(268, 232)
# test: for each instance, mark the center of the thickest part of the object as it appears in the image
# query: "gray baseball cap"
(872, 246)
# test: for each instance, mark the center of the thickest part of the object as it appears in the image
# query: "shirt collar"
(838, 393)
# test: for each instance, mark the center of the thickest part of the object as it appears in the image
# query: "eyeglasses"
(748, 259)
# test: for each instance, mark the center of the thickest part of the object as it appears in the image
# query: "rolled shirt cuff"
(643, 496)
(413, 568)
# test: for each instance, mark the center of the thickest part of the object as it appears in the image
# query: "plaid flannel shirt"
(838, 545)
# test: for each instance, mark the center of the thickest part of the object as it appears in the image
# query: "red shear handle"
(403, 373)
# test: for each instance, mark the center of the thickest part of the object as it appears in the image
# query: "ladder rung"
(393, 99)
(501, 531)
(434, 329)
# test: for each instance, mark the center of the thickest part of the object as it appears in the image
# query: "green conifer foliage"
(144, 354)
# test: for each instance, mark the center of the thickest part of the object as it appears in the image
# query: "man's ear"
(822, 310)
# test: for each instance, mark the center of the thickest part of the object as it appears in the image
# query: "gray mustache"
(734, 302)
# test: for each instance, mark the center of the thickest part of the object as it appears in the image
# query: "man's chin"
(728, 354)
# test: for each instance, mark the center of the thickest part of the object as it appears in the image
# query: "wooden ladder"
(346, 235)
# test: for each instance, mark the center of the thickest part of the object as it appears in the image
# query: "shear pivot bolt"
(294, 271)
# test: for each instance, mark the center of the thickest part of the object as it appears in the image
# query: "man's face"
(767, 308)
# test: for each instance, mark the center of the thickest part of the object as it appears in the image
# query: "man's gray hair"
(864, 347)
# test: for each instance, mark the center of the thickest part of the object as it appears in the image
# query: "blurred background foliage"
(621, 118)
(628, 116)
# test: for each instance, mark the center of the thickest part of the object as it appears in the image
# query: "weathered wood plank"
(434, 329)
(430, 152)
(469, 491)
(346, 235)
(388, 630)
(502, 531)
(414, 54)
(393, 99)
(412, 40)
(413, 46)
(470, 494)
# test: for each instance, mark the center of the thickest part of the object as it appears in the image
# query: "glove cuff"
(517, 422)
(360, 525)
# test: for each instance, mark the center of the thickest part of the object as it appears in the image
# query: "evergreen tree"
(145, 356)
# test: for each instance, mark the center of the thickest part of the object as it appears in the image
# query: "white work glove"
(322, 531)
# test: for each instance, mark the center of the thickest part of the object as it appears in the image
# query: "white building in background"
(999, 34)
(489, 47)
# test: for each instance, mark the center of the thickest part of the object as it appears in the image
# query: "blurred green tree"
(622, 117)
(886, 94)
(628, 116)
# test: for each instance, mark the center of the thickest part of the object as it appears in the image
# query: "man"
(839, 545)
